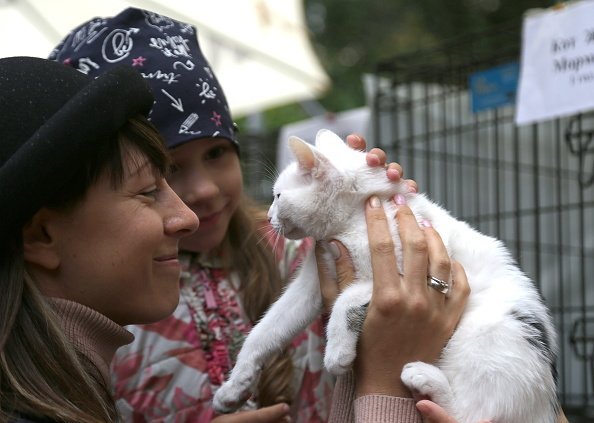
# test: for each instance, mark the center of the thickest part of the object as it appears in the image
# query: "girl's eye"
(216, 152)
(173, 169)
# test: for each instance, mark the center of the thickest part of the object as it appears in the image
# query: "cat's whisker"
(272, 237)
(266, 235)
(264, 167)
(270, 172)
(276, 242)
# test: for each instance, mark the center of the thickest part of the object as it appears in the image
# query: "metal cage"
(530, 186)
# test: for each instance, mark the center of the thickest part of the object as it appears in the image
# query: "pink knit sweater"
(91, 333)
(369, 408)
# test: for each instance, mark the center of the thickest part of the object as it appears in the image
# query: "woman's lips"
(168, 259)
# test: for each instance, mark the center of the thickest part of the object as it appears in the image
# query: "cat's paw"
(426, 380)
(236, 391)
(339, 361)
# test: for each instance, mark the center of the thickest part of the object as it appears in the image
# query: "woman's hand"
(331, 287)
(433, 413)
(377, 157)
(278, 413)
(406, 320)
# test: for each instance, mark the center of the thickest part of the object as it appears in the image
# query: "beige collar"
(91, 333)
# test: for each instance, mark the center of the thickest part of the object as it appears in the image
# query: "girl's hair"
(41, 373)
(261, 285)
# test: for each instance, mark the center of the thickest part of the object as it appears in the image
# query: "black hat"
(53, 117)
(189, 101)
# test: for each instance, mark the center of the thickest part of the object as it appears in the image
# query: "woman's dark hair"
(41, 373)
(139, 134)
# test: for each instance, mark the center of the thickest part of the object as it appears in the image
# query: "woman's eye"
(152, 193)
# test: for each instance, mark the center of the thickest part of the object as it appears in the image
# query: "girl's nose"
(197, 187)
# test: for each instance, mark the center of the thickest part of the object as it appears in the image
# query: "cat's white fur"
(497, 365)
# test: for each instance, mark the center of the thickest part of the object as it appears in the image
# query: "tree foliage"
(357, 34)
(352, 36)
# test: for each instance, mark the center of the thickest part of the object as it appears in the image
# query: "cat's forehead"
(288, 178)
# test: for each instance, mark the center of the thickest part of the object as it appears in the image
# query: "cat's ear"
(310, 160)
(328, 141)
(303, 153)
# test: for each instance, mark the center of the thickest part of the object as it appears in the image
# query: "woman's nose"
(180, 221)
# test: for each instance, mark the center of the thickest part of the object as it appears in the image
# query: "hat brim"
(49, 158)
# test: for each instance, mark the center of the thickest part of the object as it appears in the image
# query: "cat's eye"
(277, 195)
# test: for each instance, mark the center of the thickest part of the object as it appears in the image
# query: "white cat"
(498, 365)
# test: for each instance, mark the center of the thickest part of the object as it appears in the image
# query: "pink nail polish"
(426, 223)
(393, 174)
(400, 200)
(334, 250)
(375, 202)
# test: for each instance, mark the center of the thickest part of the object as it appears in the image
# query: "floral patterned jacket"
(172, 369)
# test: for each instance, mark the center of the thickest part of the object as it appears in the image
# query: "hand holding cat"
(377, 157)
(433, 413)
(406, 320)
(394, 172)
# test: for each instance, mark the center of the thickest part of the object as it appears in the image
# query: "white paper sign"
(557, 67)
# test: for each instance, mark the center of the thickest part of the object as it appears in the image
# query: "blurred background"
(403, 74)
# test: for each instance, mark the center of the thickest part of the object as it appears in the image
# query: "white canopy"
(259, 49)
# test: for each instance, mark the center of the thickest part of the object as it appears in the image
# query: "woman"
(89, 242)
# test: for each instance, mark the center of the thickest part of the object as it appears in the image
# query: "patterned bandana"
(189, 102)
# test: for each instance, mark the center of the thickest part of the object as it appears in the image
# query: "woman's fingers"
(383, 260)
(433, 413)
(415, 250)
(328, 284)
(345, 270)
(333, 280)
(412, 185)
(439, 260)
(459, 280)
(458, 294)
(356, 142)
(394, 172)
(377, 157)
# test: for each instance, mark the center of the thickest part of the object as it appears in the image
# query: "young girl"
(89, 232)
